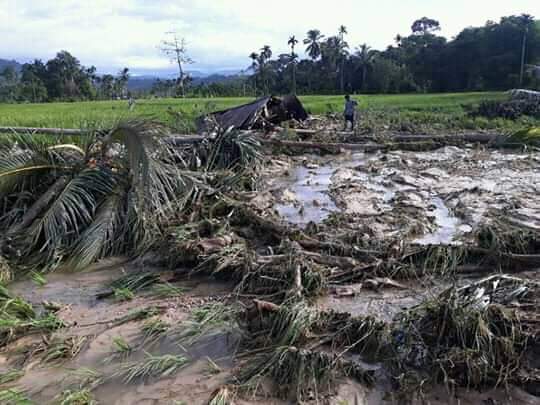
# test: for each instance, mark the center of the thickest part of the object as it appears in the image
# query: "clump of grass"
(153, 330)
(137, 315)
(86, 378)
(10, 376)
(135, 282)
(121, 349)
(18, 317)
(298, 373)
(6, 272)
(123, 294)
(151, 366)
(468, 336)
(38, 279)
(62, 349)
(223, 396)
(167, 290)
(79, 397)
(205, 321)
(13, 396)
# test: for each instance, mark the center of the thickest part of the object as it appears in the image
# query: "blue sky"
(111, 34)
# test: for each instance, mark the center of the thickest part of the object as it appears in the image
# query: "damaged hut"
(263, 113)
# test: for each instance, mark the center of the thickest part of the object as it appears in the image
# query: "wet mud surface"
(441, 195)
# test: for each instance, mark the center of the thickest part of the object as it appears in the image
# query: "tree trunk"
(38, 206)
(364, 77)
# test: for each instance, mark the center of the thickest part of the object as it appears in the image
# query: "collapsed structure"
(263, 113)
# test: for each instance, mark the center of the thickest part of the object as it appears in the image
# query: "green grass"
(77, 114)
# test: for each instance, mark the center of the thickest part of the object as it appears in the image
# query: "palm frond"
(104, 236)
(71, 210)
(234, 150)
(155, 181)
(22, 157)
(13, 396)
(10, 376)
(80, 397)
(151, 366)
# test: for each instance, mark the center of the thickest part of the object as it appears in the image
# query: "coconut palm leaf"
(156, 182)
(72, 210)
(233, 150)
(25, 156)
(104, 236)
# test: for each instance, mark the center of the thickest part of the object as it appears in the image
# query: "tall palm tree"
(313, 42)
(254, 56)
(266, 52)
(365, 57)
(292, 42)
(342, 31)
(264, 56)
(526, 21)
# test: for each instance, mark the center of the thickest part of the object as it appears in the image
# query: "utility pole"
(523, 51)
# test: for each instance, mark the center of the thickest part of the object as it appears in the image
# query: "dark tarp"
(257, 114)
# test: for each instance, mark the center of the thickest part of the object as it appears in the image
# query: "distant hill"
(144, 83)
(4, 63)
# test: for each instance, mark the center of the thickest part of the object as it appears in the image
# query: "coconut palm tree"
(292, 43)
(266, 52)
(254, 67)
(95, 197)
(365, 58)
(313, 42)
(342, 31)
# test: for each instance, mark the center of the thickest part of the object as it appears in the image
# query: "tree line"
(496, 56)
(62, 78)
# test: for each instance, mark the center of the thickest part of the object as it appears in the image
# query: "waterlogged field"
(411, 112)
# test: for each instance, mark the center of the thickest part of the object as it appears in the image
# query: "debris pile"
(414, 268)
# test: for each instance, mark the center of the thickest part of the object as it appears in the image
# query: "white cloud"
(221, 33)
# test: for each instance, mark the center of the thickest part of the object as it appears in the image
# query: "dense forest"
(497, 56)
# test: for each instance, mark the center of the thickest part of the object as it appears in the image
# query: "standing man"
(350, 109)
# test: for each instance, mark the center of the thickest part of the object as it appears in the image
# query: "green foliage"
(13, 396)
(10, 376)
(60, 349)
(151, 366)
(204, 321)
(18, 317)
(80, 199)
(153, 330)
(38, 279)
(121, 349)
(167, 290)
(86, 378)
(123, 294)
(81, 397)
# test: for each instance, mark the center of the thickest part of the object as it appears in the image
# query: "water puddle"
(310, 200)
(448, 226)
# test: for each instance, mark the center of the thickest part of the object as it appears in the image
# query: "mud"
(442, 195)
(437, 197)
(94, 319)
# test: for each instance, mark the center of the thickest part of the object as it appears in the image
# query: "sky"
(220, 34)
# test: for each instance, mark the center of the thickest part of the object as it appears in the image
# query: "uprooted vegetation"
(272, 332)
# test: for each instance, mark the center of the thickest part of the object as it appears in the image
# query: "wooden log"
(44, 131)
